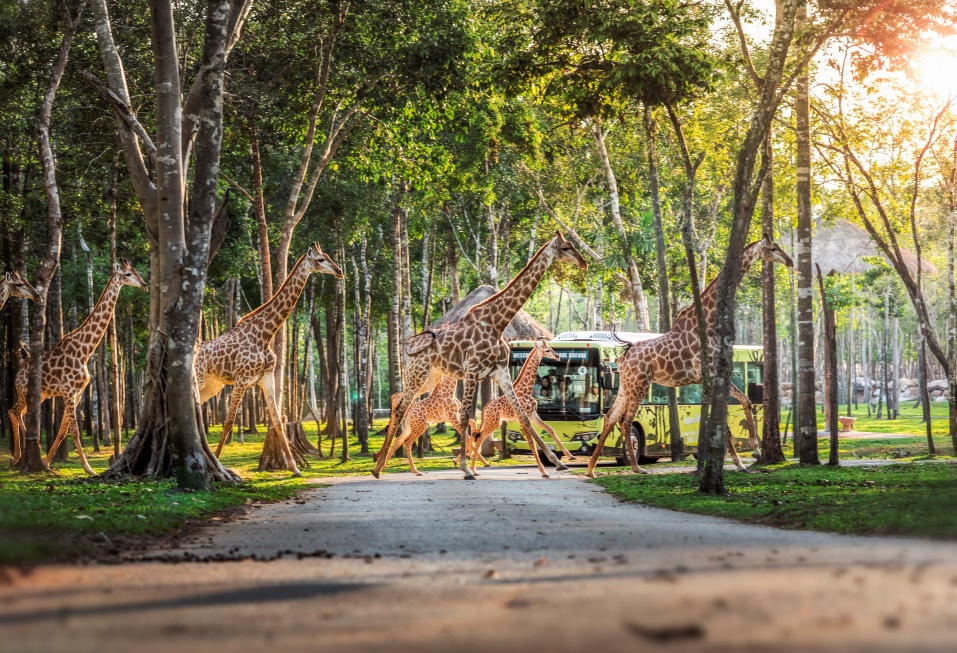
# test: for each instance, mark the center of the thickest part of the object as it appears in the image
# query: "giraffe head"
(128, 275)
(17, 286)
(320, 262)
(565, 251)
(547, 352)
(768, 250)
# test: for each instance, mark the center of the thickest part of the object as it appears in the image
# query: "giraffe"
(674, 360)
(472, 349)
(499, 410)
(243, 357)
(440, 406)
(16, 286)
(65, 372)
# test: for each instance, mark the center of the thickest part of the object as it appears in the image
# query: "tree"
(32, 460)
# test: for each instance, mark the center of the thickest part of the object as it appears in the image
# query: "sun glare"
(936, 71)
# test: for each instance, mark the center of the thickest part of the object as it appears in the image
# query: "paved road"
(507, 563)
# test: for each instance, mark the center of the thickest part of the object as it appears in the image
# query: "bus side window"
(659, 394)
(690, 394)
(737, 378)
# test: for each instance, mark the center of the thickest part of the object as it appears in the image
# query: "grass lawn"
(67, 514)
(907, 499)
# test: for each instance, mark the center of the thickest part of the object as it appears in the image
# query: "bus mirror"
(609, 381)
(755, 392)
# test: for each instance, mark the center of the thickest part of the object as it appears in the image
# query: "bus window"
(737, 378)
(689, 394)
(659, 394)
(755, 373)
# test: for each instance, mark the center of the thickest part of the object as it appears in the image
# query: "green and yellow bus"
(574, 393)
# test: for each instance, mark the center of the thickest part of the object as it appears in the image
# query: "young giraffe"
(674, 360)
(472, 348)
(16, 286)
(498, 410)
(65, 371)
(440, 406)
(242, 357)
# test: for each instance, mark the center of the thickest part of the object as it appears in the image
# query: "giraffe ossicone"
(674, 360)
(243, 357)
(472, 349)
(65, 373)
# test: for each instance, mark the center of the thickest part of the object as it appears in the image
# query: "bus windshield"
(566, 389)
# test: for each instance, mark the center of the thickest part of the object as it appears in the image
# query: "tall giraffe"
(16, 286)
(674, 360)
(243, 357)
(440, 406)
(472, 349)
(499, 410)
(65, 372)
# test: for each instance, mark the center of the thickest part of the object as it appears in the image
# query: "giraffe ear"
(9, 277)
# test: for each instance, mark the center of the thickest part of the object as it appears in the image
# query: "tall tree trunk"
(31, 459)
(112, 339)
(55, 331)
(952, 299)
(636, 290)
(771, 437)
(830, 372)
(807, 417)
(745, 196)
(664, 291)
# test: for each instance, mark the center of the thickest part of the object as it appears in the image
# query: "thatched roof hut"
(841, 246)
(522, 327)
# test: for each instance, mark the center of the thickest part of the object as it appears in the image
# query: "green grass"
(66, 515)
(907, 499)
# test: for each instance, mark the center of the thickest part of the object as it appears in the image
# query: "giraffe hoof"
(590, 474)
(375, 473)
(561, 467)
(544, 475)
(571, 458)
(469, 477)
(487, 465)
(418, 473)
(296, 474)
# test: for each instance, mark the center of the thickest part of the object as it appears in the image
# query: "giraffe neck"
(525, 382)
(708, 296)
(271, 315)
(498, 310)
(4, 294)
(89, 334)
(446, 388)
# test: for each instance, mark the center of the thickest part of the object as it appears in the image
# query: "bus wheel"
(636, 435)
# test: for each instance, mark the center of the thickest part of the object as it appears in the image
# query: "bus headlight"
(514, 436)
(584, 436)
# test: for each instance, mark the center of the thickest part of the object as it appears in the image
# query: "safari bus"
(575, 392)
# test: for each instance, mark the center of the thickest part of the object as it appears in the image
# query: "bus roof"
(603, 339)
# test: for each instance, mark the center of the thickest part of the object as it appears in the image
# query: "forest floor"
(510, 562)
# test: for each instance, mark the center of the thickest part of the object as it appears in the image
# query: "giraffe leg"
(540, 423)
(419, 379)
(268, 383)
(749, 420)
(621, 407)
(624, 427)
(465, 418)
(504, 381)
(235, 399)
(16, 421)
(75, 428)
(61, 434)
(491, 418)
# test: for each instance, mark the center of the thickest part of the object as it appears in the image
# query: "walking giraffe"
(499, 410)
(16, 286)
(440, 406)
(674, 360)
(65, 371)
(243, 357)
(472, 348)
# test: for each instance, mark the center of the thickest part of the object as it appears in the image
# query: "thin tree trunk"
(664, 291)
(31, 459)
(771, 437)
